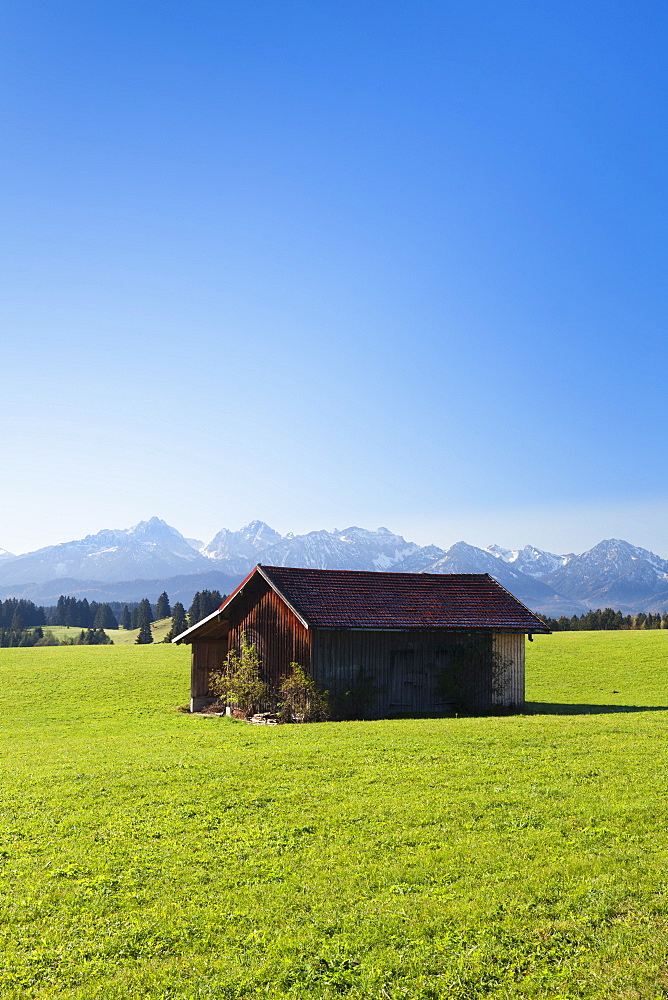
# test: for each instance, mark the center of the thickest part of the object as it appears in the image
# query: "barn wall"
(206, 657)
(509, 654)
(381, 673)
(279, 636)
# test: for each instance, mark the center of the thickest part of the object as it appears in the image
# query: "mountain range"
(131, 563)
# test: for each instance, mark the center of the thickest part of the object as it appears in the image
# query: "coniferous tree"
(28, 612)
(179, 622)
(59, 618)
(163, 609)
(105, 618)
(134, 617)
(204, 603)
(75, 611)
(193, 611)
(145, 612)
(215, 600)
(126, 621)
(145, 634)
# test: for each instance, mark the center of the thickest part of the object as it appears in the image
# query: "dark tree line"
(607, 619)
(205, 602)
(38, 636)
(71, 612)
(92, 637)
(19, 614)
(11, 638)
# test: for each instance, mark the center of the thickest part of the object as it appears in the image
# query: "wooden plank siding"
(279, 636)
(405, 672)
(509, 649)
(265, 620)
(375, 673)
(206, 658)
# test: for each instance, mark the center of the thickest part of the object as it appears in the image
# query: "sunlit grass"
(149, 853)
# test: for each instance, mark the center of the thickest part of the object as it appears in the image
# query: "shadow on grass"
(550, 708)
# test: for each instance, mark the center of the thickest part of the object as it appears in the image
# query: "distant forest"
(22, 622)
(608, 619)
(19, 616)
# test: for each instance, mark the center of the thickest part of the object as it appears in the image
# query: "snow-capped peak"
(241, 549)
(613, 573)
(154, 526)
(532, 561)
(508, 555)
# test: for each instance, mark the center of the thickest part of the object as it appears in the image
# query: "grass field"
(147, 853)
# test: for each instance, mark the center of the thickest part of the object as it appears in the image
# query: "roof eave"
(183, 637)
(463, 627)
(542, 626)
(218, 611)
(198, 625)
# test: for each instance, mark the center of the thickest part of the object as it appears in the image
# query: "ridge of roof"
(382, 599)
(377, 600)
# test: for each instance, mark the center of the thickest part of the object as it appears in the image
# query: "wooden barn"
(382, 644)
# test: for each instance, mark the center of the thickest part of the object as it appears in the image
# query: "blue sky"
(336, 263)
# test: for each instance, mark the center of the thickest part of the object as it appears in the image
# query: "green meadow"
(119, 636)
(146, 853)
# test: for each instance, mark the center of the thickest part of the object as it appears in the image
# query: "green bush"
(239, 682)
(302, 699)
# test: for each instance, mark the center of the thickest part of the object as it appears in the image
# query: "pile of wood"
(264, 719)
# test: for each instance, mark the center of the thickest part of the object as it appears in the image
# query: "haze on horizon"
(335, 264)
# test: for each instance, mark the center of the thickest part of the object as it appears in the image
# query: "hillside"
(119, 637)
(123, 637)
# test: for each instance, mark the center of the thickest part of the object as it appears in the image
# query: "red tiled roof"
(332, 598)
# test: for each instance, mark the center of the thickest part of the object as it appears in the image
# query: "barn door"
(416, 681)
(406, 686)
